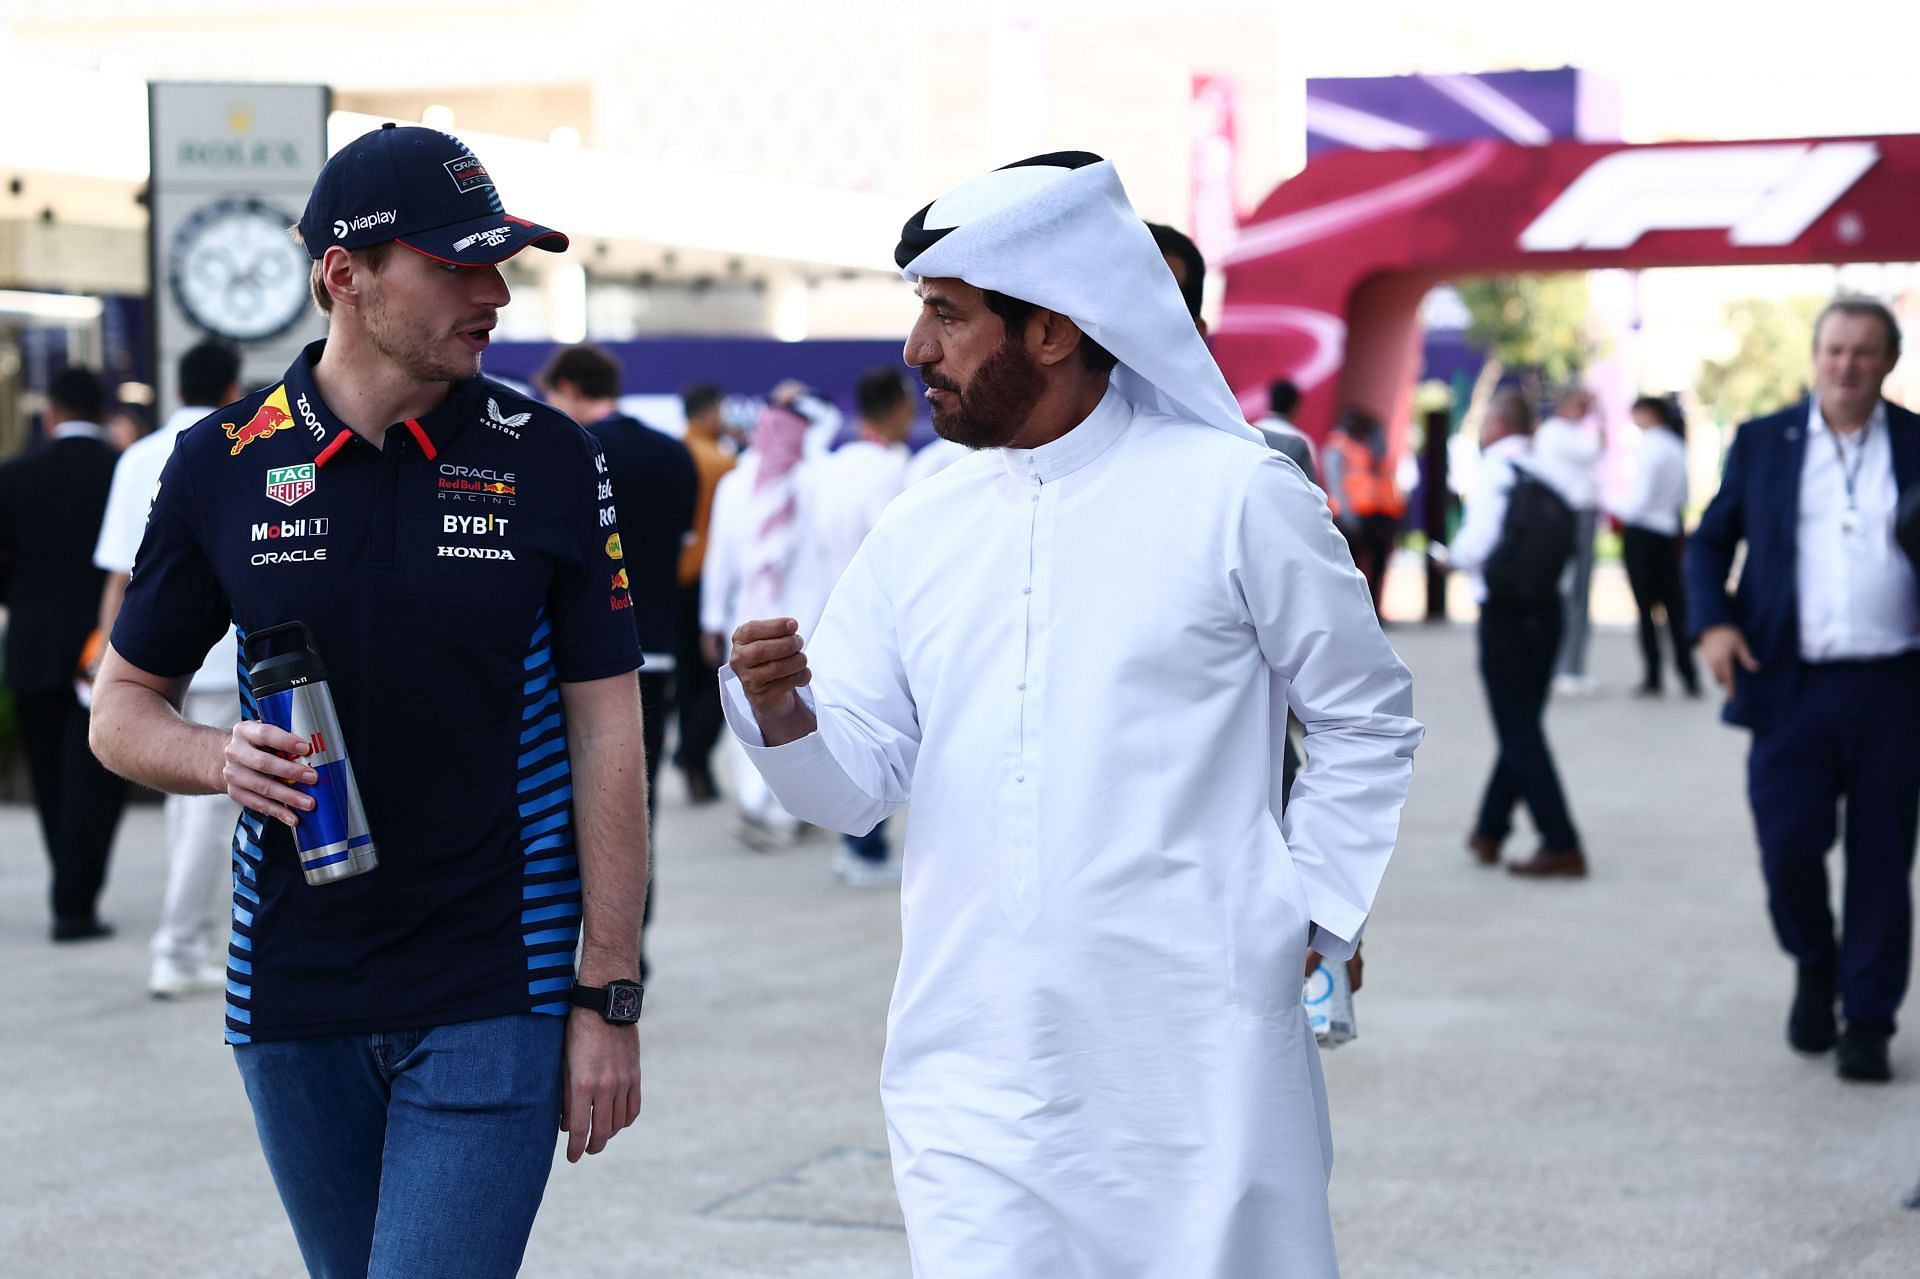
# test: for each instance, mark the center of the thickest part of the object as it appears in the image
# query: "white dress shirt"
(1856, 587)
(849, 489)
(1486, 512)
(136, 478)
(1077, 662)
(1567, 455)
(1658, 499)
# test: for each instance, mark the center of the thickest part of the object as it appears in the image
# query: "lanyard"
(1850, 475)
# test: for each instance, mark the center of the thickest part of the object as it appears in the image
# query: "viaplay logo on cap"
(468, 174)
(343, 227)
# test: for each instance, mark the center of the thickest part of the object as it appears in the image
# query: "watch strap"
(600, 999)
(594, 997)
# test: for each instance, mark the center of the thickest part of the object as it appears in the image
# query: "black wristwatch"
(617, 1001)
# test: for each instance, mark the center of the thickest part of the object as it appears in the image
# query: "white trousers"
(193, 912)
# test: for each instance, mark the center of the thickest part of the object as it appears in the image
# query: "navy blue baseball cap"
(421, 188)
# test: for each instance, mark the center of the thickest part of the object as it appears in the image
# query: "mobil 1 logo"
(288, 541)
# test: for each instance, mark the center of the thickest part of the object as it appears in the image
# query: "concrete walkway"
(1556, 1080)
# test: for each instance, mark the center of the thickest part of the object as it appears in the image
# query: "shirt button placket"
(1019, 823)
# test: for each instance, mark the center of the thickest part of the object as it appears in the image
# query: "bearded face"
(432, 321)
(988, 412)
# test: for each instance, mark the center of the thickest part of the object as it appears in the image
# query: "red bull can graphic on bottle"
(290, 688)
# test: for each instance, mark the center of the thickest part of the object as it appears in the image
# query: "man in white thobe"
(1074, 651)
(757, 562)
(849, 488)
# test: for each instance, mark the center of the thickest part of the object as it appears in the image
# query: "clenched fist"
(769, 661)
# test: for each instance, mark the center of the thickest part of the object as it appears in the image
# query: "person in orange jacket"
(1367, 505)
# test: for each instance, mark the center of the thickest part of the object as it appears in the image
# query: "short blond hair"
(374, 256)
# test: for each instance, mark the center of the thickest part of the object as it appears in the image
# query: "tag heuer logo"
(288, 484)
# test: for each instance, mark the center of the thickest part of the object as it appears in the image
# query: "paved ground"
(1561, 1080)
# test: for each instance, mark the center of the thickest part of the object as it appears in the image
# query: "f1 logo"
(1765, 195)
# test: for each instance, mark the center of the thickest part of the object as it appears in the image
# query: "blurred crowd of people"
(725, 522)
(741, 519)
(1798, 589)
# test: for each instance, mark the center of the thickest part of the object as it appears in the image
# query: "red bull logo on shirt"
(271, 417)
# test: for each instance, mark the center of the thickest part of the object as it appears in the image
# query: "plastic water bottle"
(290, 688)
(1328, 997)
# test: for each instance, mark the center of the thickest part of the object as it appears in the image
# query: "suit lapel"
(1903, 433)
(1783, 481)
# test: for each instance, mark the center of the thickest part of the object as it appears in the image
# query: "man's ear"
(339, 275)
(1051, 337)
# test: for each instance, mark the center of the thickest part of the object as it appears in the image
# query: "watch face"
(236, 271)
(623, 1002)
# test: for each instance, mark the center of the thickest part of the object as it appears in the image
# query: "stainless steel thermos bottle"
(290, 689)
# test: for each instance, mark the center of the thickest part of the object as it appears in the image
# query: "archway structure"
(1325, 280)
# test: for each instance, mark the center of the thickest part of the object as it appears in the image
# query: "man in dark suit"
(654, 488)
(1819, 652)
(51, 502)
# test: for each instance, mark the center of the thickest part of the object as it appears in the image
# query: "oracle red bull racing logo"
(271, 418)
(476, 484)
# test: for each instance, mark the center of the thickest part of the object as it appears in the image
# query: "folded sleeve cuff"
(803, 775)
(739, 713)
(1331, 945)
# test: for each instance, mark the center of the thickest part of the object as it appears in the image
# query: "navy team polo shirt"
(453, 578)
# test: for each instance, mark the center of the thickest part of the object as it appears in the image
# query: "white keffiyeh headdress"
(1058, 231)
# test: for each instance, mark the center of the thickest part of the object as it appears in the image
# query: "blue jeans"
(872, 846)
(410, 1154)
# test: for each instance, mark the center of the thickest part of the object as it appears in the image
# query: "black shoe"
(87, 929)
(700, 788)
(1810, 1026)
(1649, 691)
(1863, 1054)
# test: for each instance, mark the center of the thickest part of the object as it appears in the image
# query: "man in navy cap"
(408, 1037)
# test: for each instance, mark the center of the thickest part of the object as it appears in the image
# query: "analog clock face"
(237, 273)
